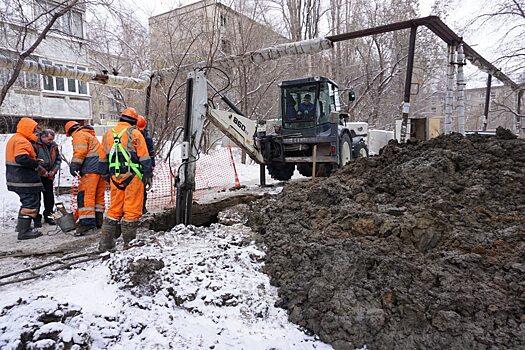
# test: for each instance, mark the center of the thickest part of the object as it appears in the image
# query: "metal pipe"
(139, 83)
(487, 103)
(408, 81)
(449, 98)
(519, 126)
(461, 89)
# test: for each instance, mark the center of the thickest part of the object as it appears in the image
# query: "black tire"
(361, 150)
(281, 171)
(321, 170)
(345, 150)
(305, 169)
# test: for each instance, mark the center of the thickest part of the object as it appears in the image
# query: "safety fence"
(214, 172)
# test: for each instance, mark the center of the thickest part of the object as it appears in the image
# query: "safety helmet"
(130, 112)
(141, 123)
(70, 127)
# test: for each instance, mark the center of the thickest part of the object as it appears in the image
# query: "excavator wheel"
(345, 153)
(305, 169)
(281, 171)
(322, 169)
(361, 150)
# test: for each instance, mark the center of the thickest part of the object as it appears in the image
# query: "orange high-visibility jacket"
(20, 159)
(137, 149)
(86, 151)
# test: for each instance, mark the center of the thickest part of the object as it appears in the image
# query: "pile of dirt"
(421, 247)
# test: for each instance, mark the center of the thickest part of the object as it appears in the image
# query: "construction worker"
(142, 126)
(90, 197)
(127, 163)
(47, 150)
(23, 171)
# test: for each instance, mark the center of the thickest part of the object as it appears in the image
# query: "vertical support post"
(408, 81)
(196, 109)
(148, 99)
(487, 103)
(181, 202)
(449, 98)
(314, 162)
(461, 89)
(262, 175)
(519, 116)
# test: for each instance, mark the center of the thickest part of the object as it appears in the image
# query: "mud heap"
(422, 247)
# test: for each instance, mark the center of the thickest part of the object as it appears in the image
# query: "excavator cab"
(307, 102)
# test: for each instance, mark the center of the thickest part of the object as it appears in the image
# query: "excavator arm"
(237, 127)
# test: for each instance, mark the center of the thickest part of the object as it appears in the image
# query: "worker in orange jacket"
(23, 171)
(127, 163)
(90, 197)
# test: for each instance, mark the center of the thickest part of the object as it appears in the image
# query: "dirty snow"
(206, 291)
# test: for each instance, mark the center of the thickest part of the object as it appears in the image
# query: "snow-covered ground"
(190, 288)
(9, 203)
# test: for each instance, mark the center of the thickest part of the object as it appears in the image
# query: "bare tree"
(28, 23)
(119, 45)
(507, 17)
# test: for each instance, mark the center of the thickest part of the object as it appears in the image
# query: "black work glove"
(74, 169)
(148, 182)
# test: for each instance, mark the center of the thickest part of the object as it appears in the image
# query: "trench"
(204, 214)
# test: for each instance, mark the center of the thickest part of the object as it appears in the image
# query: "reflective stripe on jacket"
(86, 150)
(20, 159)
(137, 149)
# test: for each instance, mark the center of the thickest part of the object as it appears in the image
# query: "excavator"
(311, 133)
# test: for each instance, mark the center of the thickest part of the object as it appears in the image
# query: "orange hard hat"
(141, 123)
(130, 112)
(70, 127)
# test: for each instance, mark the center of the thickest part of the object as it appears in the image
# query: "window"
(49, 82)
(76, 24)
(102, 116)
(60, 81)
(70, 23)
(71, 83)
(82, 85)
(67, 85)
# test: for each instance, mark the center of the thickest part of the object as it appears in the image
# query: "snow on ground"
(9, 203)
(189, 288)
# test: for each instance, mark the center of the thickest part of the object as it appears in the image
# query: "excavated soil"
(422, 247)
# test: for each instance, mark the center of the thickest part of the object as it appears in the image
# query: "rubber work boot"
(129, 232)
(83, 229)
(23, 227)
(38, 221)
(107, 238)
(49, 220)
(100, 218)
(118, 231)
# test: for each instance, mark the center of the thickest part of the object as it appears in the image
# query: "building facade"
(50, 100)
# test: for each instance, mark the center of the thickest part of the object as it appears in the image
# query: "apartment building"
(50, 100)
(502, 100)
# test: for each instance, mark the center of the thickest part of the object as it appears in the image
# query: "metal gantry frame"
(310, 46)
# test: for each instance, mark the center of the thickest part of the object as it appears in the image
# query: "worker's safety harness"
(115, 164)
